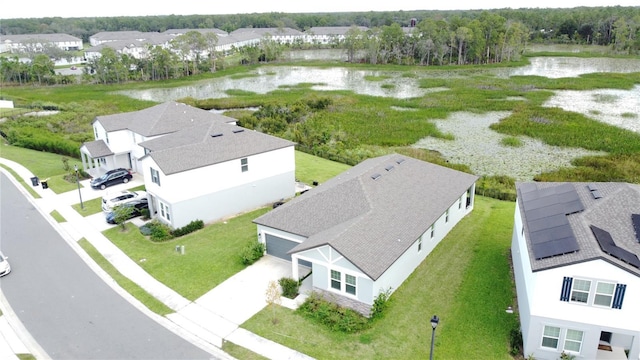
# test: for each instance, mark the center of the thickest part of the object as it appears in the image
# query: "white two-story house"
(366, 230)
(197, 165)
(575, 259)
(213, 170)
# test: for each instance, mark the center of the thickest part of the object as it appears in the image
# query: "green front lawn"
(473, 321)
(212, 254)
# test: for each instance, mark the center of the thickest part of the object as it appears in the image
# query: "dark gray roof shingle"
(612, 212)
(161, 119)
(372, 222)
(194, 146)
(98, 149)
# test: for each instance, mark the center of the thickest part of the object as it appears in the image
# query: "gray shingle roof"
(194, 146)
(57, 37)
(612, 213)
(372, 222)
(161, 119)
(98, 149)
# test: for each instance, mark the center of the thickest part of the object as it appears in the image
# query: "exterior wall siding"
(547, 309)
(412, 258)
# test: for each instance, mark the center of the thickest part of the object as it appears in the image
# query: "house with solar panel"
(366, 230)
(196, 165)
(575, 254)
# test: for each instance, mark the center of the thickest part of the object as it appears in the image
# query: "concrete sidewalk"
(206, 322)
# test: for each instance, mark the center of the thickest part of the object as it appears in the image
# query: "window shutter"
(619, 296)
(566, 289)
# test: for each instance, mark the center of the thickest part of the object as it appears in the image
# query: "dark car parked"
(137, 205)
(111, 177)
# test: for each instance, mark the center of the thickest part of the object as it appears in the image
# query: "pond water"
(616, 107)
(557, 67)
(388, 84)
(479, 147)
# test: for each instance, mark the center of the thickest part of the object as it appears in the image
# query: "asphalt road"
(70, 311)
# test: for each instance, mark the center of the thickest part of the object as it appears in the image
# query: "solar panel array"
(546, 213)
(635, 219)
(609, 246)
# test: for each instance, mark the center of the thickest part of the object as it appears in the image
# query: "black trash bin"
(44, 184)
(35, 181)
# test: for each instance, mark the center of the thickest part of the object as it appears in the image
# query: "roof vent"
(389, 167)
(238, 131)
(375, 176)
(594, 191)
(216, 135)
(399, 161)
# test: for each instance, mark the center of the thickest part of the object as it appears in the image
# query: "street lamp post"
(434, 323)
(78, 182)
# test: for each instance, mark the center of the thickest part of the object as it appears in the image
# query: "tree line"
(582, 25)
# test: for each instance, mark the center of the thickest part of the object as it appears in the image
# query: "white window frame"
(347, 283)
(446, 216)
(575, 291)
(568, 340)
(333, 280)
(165, 211)
(460, 203)
(599, 294)
(155, 176)
(350, 282)
(432, 230)
(550, 336)
(244, 164)
(420, 244)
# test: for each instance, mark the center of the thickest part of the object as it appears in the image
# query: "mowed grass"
(212, 254)
(465, 281)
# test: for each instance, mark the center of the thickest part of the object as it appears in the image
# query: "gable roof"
(161, 119)
(373, 212)
(606, 219)
(97, 149)
(208, 143)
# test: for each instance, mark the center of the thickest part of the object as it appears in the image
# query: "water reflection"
(393, 84)
(270, 78)
(557, 67)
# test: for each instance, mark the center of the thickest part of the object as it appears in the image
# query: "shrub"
(333, 316)
(159, 231)
(189, 228)
(515, 341)
(289, 287)
(252, 252)
(380, 304)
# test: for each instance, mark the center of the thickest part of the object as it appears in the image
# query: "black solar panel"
(635, 219)
(609, 246)
(546, 213)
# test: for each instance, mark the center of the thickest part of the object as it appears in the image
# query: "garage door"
(279, 247)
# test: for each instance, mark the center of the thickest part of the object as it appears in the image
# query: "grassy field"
(473, 321)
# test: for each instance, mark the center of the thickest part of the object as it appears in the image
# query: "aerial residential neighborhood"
(403, 184)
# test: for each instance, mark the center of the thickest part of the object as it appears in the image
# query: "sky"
(84, 8)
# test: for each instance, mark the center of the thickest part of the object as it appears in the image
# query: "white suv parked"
(111, 200)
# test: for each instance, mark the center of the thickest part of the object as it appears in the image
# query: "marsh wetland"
(468, 137)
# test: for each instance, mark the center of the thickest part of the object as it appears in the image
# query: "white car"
(5, 268)
(110, 200)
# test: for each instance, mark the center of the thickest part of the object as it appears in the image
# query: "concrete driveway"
(238, 298)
